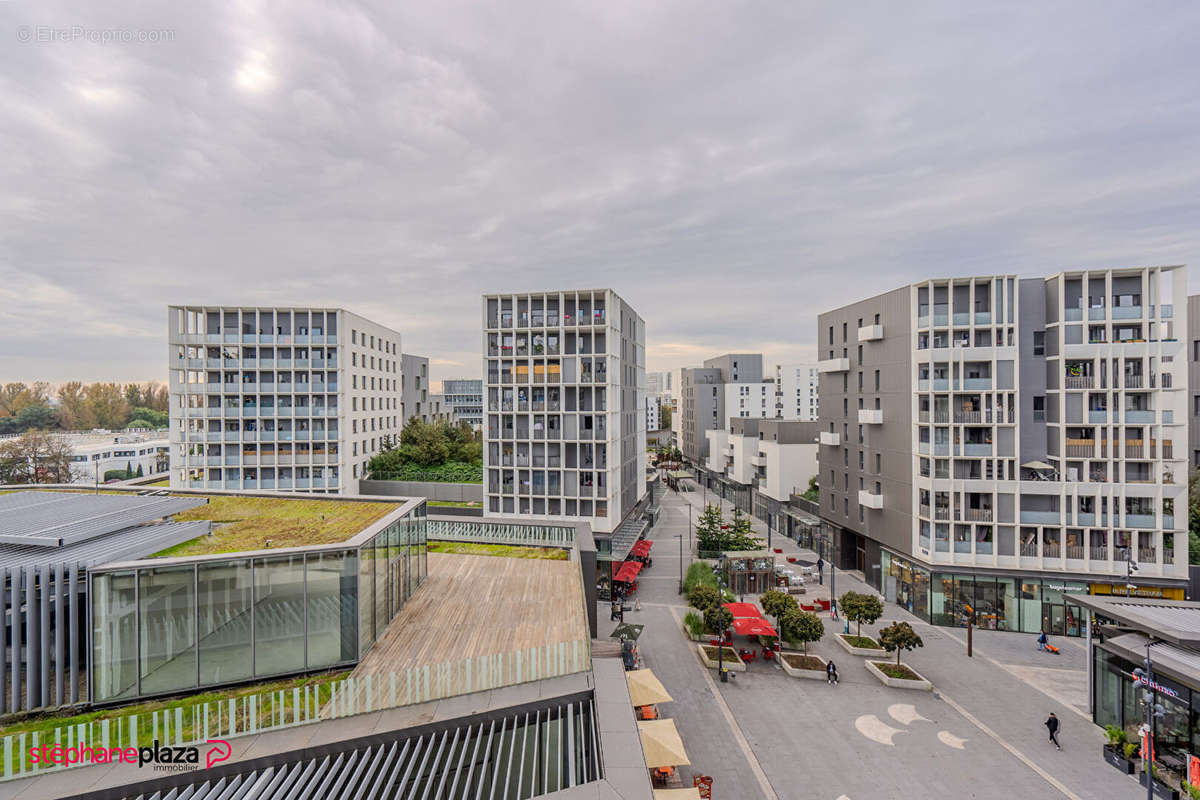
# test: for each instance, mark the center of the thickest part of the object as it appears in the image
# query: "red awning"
(744, 610)
(628, 571)
(642, 548)
(753, 627)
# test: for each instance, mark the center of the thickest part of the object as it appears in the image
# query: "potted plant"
(802, 627)
(896, 637)
(1161, 788)
(1115, 752)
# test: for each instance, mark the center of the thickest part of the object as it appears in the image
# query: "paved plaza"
(978, 735)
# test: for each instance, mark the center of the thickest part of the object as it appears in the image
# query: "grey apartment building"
(1193, 321)
(283, 398)
(565, 430)
(1002, 444)
(702, 398)
(464, 399)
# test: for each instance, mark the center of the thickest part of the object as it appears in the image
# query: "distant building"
(760, 463)
(464, 397)
(658, 383)
(797, 387)
(414, 388)
(702, 398)
(94, 454)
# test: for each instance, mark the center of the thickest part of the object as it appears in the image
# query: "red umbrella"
(628, 572)
(753, 627)
(744, 610)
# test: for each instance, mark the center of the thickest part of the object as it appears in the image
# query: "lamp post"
(1153, 712)
(681, 563)
(832, 573)
(721, 624)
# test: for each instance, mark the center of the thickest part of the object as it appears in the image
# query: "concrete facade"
(278, 398)
(1193, 343)
(703, 398)
(565, 428)
(414, 388)
(464, 399)
(775, 457)
(941, 401)
(797, 391)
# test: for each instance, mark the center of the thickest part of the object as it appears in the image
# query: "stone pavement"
(979, 735)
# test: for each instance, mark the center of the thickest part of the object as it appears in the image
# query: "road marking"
(755, 767)
(1016, 675)
(905, 714)
(875, 729)
(1050, 779)
(950, 740)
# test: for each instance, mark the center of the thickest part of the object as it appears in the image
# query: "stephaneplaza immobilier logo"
(158, 757)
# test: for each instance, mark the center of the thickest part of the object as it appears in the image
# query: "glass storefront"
(1029, 605)
(196, 622)
(1119, 702)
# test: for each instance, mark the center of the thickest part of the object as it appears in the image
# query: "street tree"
(899, 636)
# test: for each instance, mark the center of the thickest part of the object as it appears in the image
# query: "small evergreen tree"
(703, 597)
(708, 529)
(718, 618)
(140, 473)
(899, 636)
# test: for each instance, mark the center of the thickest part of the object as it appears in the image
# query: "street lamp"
(1154, 711)
(721, 624)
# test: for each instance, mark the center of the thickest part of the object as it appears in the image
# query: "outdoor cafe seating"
(663, 750)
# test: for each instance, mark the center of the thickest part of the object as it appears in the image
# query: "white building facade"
(284, 398)
(750, 400)
(565, 414)
(94, 454)
(798, 387)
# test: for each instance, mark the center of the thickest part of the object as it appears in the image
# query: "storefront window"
(1007, 605)
(1109, 683)
(1031, 606)
(942, 597)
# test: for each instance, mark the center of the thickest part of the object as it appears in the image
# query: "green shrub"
(694, 623)
(716, 623)
(698, 573)
(703, 597)
(899, 636)
(860, 608)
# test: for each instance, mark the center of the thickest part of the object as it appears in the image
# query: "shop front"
(1028, 604)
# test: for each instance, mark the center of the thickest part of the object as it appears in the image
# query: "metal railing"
(501, 533)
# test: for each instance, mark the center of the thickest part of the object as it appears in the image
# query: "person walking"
(831, 674)
(820, 570)
(1042, 641)
(1052, 726)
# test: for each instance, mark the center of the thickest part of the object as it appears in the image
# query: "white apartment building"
(94, 454)
(1003, 443)
(798, 387)
(653, 412)
(564, 386)
(772, 457)
(750, 400)
(285, 398)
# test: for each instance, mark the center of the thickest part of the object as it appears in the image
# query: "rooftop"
(249, 523)
(1173, 621)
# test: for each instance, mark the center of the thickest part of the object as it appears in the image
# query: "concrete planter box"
(921, 684)
(869, 652)
(688, 634)
(732, 662)
(1160, 789)
(797, 672)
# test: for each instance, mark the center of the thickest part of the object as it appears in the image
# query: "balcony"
(869, 499)
(1041, 517)
(962, 317)
(1079, 382)
(968, 417)
(759, 460)
(1139, 521)
(870, 416)
(977, 384)
(977, 515)
(1127, 312)
(833, 439)
(870, 333)
(1098, 416)
(977, 449)
(1099, 553)
(1081, 448)
(983, 318)
(1142, 417)
(833, 365)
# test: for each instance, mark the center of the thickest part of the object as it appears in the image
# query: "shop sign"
(1121, 590)
(1065, 588)
(1156, 686)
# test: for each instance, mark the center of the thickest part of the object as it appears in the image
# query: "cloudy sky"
(729, 168)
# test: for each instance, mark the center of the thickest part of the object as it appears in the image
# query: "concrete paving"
(978, 735)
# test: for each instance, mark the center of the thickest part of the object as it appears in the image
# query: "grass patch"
(898, 671)
(165, 482)
(47, 724)
(453, 503)
(860, 641)
(505, 550)
(246, 523)
(798, 661)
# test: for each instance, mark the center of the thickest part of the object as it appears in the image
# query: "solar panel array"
(514, 757)
(61, 519)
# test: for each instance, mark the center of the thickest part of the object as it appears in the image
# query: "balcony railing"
(1079, 382)
(1052, 550)
(1147, 555)
(969, 417)
(1029, 549)
(1098, 554)
(1041, 517)
(978, 514)
(1075, 551)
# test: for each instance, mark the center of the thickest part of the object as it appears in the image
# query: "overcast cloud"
(729, 168)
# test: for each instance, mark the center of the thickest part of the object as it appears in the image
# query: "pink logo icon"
(220, 751)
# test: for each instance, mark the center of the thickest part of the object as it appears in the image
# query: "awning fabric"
(642, 548)
(645, 688)
(690, 793)
(628, 572)
(753, 627)
(744, 610)
(661, 744)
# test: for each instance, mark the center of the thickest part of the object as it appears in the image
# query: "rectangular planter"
(1160, 788)
(733, 664)
(1117, 760)
(688, 634)
(899, 683)
(796, 672)
(869, 652)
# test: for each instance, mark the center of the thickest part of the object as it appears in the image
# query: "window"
(879, 463)
(876, 319)
(877, 379)
(1039, 343)
(845, 327)
(1039, 408)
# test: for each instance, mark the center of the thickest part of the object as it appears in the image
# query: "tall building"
(464, 398)
(750, 400)
(1003, 444)
(278, 398)
(1193, 339)
(565, 436)
(797, 386)
(653, 412)
(658, 383)
(414, 388)
(703, 397)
